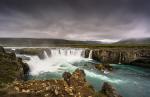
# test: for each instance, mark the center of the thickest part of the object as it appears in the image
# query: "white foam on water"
(45, 55)
(90, 54)
(61, 60)
(102, 77)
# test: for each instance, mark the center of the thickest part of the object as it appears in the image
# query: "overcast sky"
(75, 19)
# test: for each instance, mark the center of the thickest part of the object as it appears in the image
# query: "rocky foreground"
(13, 73)
(72, 85)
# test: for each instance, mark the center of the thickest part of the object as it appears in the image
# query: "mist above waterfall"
(58, 60)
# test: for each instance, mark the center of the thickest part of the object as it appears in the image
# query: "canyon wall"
(130, 56)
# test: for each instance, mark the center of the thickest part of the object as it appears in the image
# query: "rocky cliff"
(133, 56)
(11, 68)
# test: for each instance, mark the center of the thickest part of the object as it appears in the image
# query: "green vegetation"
(29, 42)
(96, 46)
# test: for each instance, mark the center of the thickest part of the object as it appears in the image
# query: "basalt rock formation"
(133, 56)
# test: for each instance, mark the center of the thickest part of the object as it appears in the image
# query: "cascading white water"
(45, 55)
(67, 52)
(64, 59)
(90, 54)
(119, 58)
(60, 60)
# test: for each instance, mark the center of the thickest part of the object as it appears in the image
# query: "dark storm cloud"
(75, 19)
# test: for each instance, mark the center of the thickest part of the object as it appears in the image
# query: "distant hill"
(135, 41)
(38, 42)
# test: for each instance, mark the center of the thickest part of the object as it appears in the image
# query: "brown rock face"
(121, 55)
(109, 90)
(76, 79)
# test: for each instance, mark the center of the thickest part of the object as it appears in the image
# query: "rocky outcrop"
(2, 50)
(109, 90)
(103, 67)
(121, 55)
(34, 51)
(73, 85)
(11, 68)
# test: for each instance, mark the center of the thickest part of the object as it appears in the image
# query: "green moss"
(96, 46)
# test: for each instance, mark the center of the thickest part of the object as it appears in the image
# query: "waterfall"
(64, 52)
(67, 52)
(90, 54)
(60, 60)
(119, 58)
(45, 54)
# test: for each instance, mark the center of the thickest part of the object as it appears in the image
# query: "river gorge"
(126, 77)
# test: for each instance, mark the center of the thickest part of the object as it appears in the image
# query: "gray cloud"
(75, 19)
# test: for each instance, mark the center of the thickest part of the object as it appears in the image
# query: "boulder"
(66, 76)
(78, 78)
(2, 49)
(109, 90)
(103, 67)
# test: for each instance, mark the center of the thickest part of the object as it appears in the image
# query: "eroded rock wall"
(121, 55)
